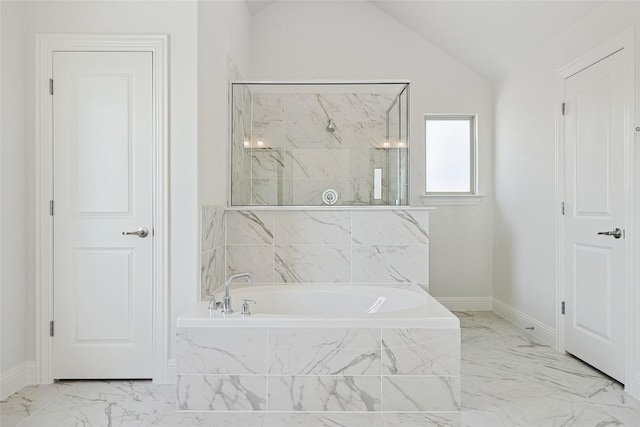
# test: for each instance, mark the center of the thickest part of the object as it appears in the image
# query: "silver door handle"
(140, 232)
(616, 233)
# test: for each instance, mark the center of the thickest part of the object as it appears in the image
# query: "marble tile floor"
(508, 379)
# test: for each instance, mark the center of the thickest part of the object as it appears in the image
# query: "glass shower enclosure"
(319, 143)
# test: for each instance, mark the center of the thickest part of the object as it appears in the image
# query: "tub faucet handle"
(245, 307)
(213, 304)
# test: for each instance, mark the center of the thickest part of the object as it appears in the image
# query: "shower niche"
(319, 144)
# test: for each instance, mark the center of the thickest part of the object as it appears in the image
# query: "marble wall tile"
(212, 270)
(395, 227)
(265, 192)
(358, 191)
(414, 393)
(364, 161)
(324, 393)
(249, 227)
(308, 192)
(318, 164)
(272, 134)
(312, 135)
(212, 227)
(221, 392)
(312, 227)
(297, 106)
(312, 264)
(221, 350)
(314, 351)
(267, 107)
(420, 351)
(390, 264)
(267, 164)
(363, 135)
(256, 259)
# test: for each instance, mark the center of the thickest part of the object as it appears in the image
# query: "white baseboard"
(634, 388)
(467, 303)
(520, 319)
(172, 371)
(17, 378)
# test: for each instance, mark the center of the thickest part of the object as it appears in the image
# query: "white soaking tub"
(313, 348)
(403, 306)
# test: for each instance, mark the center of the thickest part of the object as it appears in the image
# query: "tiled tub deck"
(277, 364)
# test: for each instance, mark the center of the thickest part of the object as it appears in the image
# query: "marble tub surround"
(320, 348)
(325, 246)
(307, 370)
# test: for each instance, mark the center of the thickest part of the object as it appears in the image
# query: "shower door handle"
(140, 232)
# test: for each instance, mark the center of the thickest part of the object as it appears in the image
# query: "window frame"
(447, 196)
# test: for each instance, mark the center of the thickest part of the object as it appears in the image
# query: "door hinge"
(50, 86)
(562, 208)
(562, 307)
(51, 207)
(51, 328)
(564, 107)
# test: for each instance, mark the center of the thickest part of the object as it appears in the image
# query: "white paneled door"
(595, 215)
(102, 136)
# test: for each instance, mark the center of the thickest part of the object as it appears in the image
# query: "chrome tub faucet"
(226, 301)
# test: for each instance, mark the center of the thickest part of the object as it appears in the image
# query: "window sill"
(452, 200)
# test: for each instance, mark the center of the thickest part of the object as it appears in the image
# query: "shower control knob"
(330, 196)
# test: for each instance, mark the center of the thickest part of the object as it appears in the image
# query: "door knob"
(140, 232)
(616, 233)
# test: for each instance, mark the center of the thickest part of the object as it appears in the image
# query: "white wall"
(223, 32)
(356, 41)
(179, 21)
(525, 211)
(13, 181)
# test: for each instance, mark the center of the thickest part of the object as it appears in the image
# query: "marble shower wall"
(212, 249)
(324, 246)
(293, 158)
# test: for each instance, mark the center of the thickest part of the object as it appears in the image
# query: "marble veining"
(258, 259)
(312, 263)
(336, 351)
(309, 227)
(249, 227)
(420, 352)
(221, 392)
(390, 264)
(324, 393)
(225, 351)
(391, 228)
(420, 393)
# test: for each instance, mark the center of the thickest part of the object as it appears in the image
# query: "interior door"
(595, 215)
(102, 133)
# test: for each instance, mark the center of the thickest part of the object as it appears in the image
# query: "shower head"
(331, 126)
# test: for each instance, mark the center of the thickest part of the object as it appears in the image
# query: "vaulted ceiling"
(489, 36)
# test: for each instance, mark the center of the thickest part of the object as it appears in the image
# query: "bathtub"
(404, 306)
(315, 348)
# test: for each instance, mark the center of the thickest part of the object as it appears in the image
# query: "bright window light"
(450, 154)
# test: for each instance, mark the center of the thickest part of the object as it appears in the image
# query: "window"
(450, 154)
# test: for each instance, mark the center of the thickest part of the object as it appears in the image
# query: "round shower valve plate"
(330, 196)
